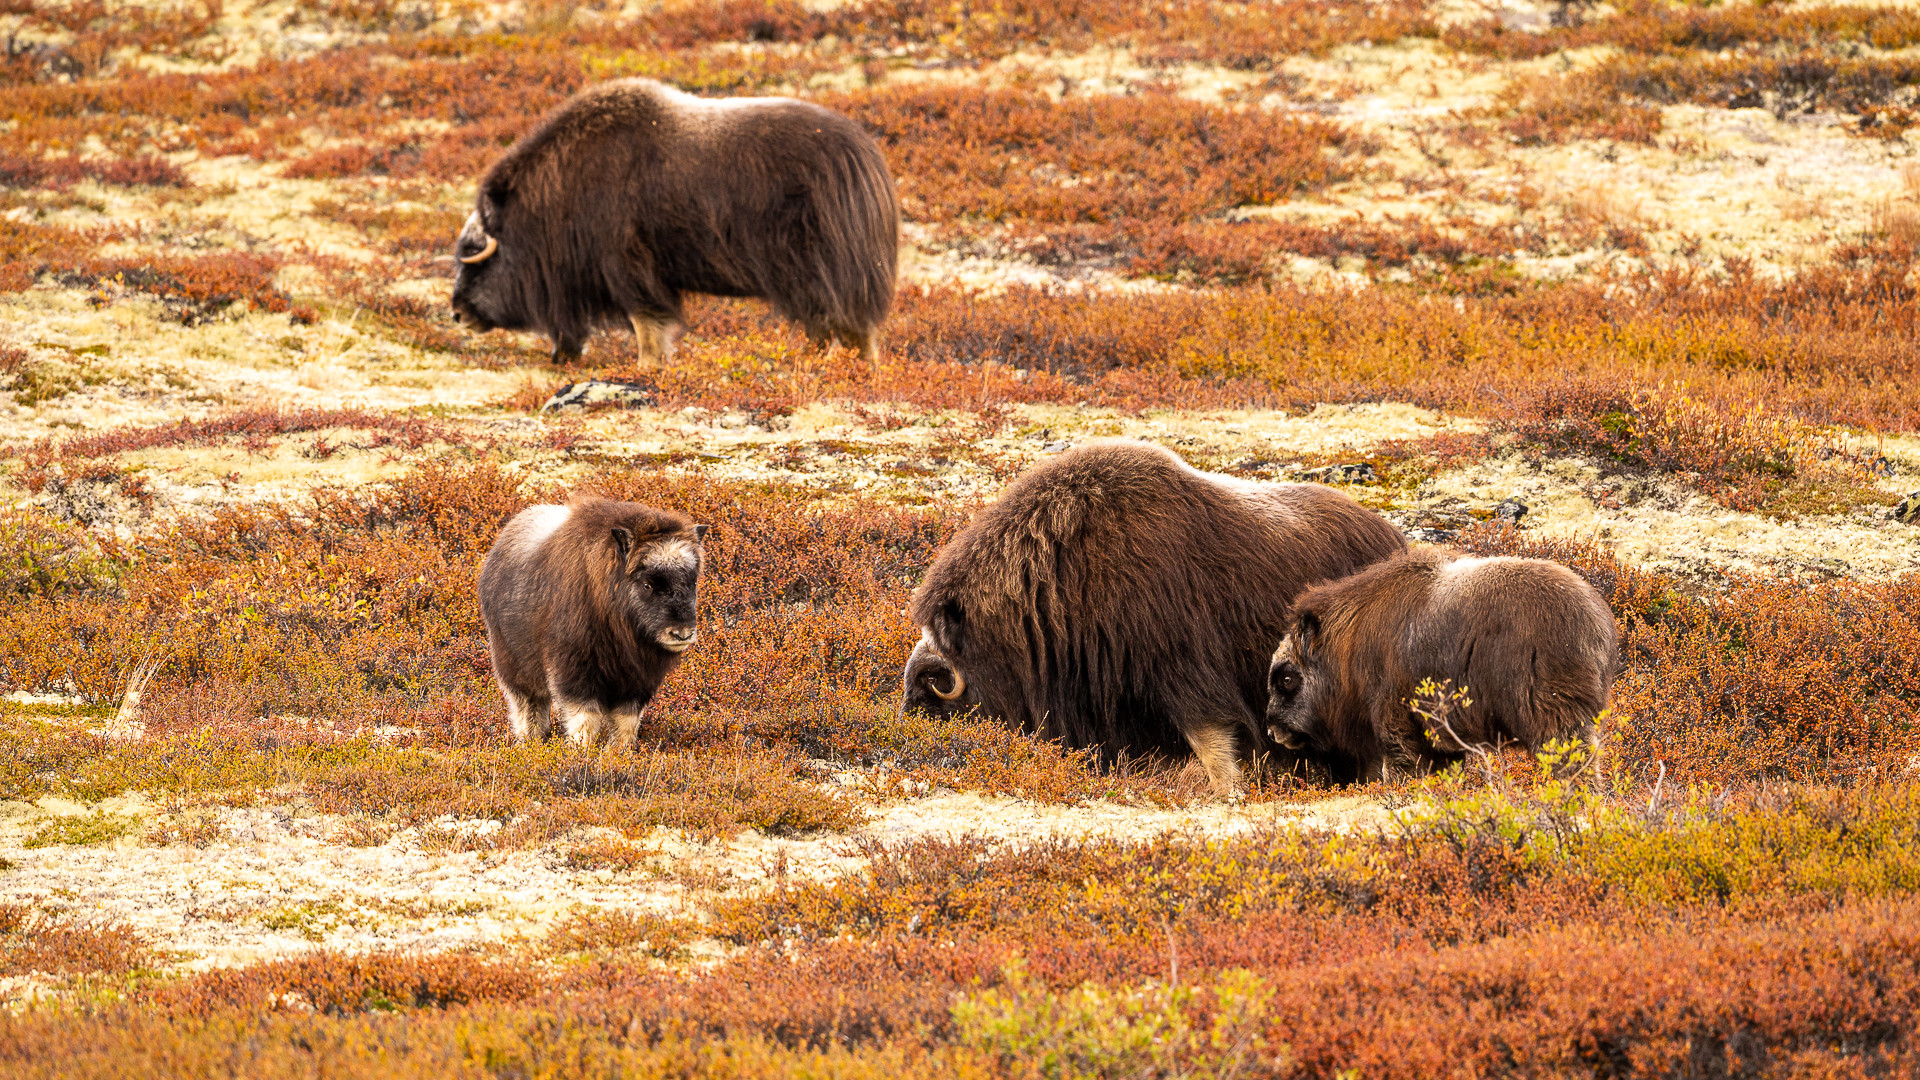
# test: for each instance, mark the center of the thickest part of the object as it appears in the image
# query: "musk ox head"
(1297, 684)
(657, 583)
(933, 684)
(483, 296)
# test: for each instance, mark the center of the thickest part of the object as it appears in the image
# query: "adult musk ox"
(588, 606)
(1115, 597)
(1531, 644)
(631, 194)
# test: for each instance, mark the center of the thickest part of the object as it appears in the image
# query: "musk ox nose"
(1286, 737)
(678, 639)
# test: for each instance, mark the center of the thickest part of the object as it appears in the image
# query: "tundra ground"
(1630, 287)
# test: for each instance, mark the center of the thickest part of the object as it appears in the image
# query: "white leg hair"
(1218, 748)
(626, 726)
(532, 718)
(586, 722)
(656, 340)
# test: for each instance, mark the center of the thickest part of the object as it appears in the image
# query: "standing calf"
(1531, 643)
(1115, 597)
(588, 606)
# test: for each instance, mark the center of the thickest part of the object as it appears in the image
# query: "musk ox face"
(481, 298)
(934, 685)
(658, 586)
(1295, 686)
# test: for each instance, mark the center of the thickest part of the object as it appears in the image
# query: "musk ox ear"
(1306, 631)
(622, 542)
(498, 193)
(700, 532)
(949, 626)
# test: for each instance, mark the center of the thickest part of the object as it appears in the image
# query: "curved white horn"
(484, 254)
(959, 686)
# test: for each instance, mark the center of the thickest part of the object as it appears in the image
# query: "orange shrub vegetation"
(1833, 346)
(968, 152)
(1646, 26)
(1476, 942)
(35, 940)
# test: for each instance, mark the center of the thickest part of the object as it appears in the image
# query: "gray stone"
(1512, 510)
(579, 395)
(1908, 512)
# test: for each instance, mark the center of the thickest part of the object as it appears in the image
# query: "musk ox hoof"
(1511, 511)
(1908, 512)
(578, 395)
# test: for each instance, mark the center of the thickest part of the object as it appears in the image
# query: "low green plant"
(81, 830)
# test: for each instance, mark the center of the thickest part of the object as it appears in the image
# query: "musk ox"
(632, 193)
(1531, 644)
(588, 606)
(1115, 597)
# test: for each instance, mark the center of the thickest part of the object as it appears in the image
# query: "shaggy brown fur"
(632, 193)
(588, 606)
(1114, 597)
(1533, 646)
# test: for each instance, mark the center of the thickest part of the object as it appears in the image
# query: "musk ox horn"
(959, 686)
(485, 252)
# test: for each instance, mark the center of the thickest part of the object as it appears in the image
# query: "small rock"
(1056, 447)
(1512, 510)
(1421, 534)
(1908, 512)
(599, 392)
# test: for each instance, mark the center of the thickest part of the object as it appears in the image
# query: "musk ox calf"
(588, 606)
(631, 194)
(1532, 645)
(1115, 597)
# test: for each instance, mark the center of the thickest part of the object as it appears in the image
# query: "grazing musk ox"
(1532, 645)
(1115, 597)
(632, 193)
(588, 606)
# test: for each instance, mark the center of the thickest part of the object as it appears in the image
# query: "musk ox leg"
(532, 717)
(585, 721)
(656, 339)
(867, 341)
(1217, 746)
(626, 726)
